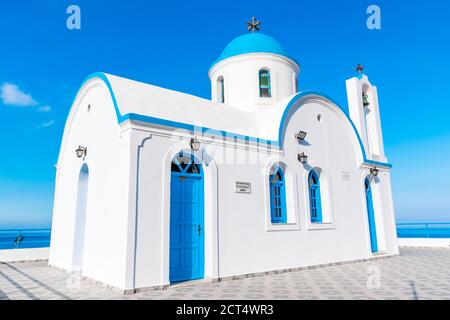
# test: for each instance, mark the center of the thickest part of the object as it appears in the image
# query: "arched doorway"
(371, 216)
(186, 219)
(80, 218)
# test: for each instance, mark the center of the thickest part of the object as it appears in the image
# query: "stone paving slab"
(417, 273)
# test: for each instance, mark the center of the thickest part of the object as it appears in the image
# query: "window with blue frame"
(314, 197)
(264, 83)
(220, 90)
(277, 195)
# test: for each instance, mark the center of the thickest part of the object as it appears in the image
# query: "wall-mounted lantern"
(374, 171)
(303, 158)
(300, 136)
(195, 144)
(81, 152)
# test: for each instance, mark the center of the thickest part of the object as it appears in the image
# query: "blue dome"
(251, 43)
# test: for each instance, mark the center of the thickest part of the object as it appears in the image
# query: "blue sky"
(171, 44)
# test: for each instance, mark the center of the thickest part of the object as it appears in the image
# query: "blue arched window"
(264, 83)
(277, 195)
(314, 197)
(185, 164)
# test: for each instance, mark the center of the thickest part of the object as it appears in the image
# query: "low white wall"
(12, 255)
(424, 242)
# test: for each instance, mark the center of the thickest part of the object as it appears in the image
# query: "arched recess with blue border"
(80, 219)
(315, 201)
(277, 185)
(371, 215)
(187, 248)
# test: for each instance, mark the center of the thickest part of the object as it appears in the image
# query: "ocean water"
(30, 238)
(423, 230)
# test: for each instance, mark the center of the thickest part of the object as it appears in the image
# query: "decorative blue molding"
(292, 107)
(105, 79)
(288, 112)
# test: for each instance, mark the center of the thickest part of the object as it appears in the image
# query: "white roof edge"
(134, 97)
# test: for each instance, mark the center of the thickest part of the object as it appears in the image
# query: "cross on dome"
(253, 26)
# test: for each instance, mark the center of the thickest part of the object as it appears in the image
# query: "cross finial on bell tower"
(253, 26)
(359, 68)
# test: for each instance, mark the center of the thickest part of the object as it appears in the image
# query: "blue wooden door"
(186, 224)
(371, 217)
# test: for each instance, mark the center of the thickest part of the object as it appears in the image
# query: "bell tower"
(365, 113)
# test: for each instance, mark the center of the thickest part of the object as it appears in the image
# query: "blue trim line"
(377, 163)
(288, 112)
(191, 127)
(105, 79)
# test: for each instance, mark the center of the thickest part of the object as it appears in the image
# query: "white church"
(155, 187)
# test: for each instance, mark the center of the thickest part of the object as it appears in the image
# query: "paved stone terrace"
(418, 273)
